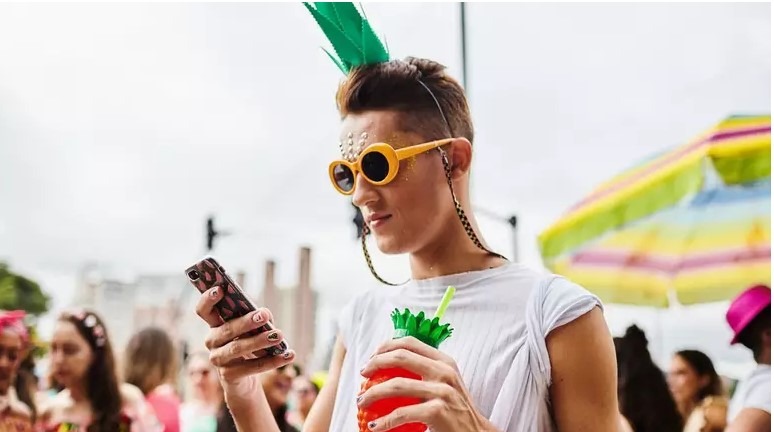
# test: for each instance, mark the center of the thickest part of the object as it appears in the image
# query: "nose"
(365, 192)
(57, 358)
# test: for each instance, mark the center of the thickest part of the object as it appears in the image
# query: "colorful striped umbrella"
(695, 220)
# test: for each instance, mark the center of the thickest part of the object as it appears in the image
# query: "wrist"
(247, 388)
(248, 406)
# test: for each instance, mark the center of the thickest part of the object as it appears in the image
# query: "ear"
(460, 154)
(704, 381)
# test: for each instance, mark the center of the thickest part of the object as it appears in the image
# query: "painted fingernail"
(359, 398)
(372, 425)
(214, 292)
(257, 317)
(273, 336)
(287, 354)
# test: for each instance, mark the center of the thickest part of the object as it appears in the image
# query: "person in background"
(698, 392)
(304, 393)
(200, 412)
(225, 422)
(150, 363)
(15, 415)
(26, 383)
(82, 361)
(48, 388)
(643, 397)
(276, 385)
(749, 317)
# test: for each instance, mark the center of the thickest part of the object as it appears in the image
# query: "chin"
(390, 245)
(64, 382)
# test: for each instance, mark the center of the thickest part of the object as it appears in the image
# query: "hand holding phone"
(208, 273)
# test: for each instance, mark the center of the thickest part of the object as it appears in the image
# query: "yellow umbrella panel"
(661, 226)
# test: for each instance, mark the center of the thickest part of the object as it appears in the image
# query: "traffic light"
(358, 220)
(211, 233)
(513, 221)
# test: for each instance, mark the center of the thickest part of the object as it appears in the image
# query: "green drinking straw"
(447, 297)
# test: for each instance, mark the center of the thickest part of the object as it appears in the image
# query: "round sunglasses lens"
(343, 177)
(375, 166)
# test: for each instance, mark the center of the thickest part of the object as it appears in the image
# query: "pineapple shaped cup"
(429, 331)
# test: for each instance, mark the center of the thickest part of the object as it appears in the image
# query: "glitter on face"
(408, 165)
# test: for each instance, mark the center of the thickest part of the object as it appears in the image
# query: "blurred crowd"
(690, 396)
(85, 391)
(155, 390)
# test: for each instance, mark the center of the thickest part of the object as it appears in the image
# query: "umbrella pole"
(513, 221)
(659, 339)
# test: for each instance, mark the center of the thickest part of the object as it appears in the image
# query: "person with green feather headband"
(530, 351)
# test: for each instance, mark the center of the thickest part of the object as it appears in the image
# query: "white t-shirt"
(500, 317)
(753, 392)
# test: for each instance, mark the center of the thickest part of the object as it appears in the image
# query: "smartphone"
(207, 273)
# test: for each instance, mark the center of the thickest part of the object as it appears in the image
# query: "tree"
(19, 292)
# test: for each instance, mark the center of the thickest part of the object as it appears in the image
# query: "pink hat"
(745, 307)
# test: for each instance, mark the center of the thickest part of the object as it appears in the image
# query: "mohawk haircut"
(396, 85)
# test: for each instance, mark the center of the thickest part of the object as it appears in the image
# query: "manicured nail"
(362, 369)
(359, 398)
(287, 354)
(273, 336)
(257, 317)
(372, 425)
(214, 292)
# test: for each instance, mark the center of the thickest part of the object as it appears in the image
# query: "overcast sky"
(123, 126)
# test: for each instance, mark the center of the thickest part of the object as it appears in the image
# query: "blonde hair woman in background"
(150, 363)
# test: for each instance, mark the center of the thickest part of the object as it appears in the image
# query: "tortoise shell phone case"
(207, 273)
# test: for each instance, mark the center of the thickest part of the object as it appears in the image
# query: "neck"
(212, 399)
(764, 358)
(78, 392)
(686, 407)
(453, 253)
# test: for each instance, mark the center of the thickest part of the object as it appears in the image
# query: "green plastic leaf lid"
(428, 330)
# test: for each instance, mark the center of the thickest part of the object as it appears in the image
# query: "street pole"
(513, 221)
(464, 46)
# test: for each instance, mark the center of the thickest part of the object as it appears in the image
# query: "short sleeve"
(166, 406)
(139, 411)
(564, 302)
(554, 303)
(759, 396)
(348, 319)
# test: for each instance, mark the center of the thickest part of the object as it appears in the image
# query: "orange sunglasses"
(378, 163)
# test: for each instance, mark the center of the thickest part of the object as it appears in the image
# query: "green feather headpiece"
(354, 41)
